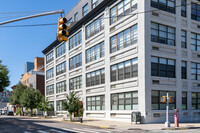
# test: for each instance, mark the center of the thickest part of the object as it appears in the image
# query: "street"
(13, 124)
(32, 125)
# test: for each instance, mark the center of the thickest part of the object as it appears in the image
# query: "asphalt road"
(14, 124)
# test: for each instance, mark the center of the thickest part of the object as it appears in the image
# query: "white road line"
(40, 131)
(57, 131)
(99, 130)
(71, 130)
(26, 132)
(86, 130)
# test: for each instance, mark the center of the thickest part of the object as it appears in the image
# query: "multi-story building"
(124, 55)
(35, 77)
(28, 67)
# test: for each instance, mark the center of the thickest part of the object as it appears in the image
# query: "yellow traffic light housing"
(62, 33)
(163, 99)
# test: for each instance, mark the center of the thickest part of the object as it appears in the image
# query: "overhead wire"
(92, 19)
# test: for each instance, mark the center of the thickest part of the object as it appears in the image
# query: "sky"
(22, 44)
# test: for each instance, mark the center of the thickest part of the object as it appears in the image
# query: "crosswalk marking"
(71, 130)
(86, 130)
(40, 131)
(57, 131)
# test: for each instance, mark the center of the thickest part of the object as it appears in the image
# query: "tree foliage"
(44, 105)
(4, 78)
(16, 94)
(71, 104)
(31, 98)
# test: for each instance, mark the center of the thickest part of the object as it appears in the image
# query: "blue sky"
(19, 45)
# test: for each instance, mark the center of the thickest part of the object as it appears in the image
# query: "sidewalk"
(127, 125)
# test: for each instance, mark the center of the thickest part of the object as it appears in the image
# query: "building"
(4, 99)
(28, 67)
(124, 55)
(35, 77)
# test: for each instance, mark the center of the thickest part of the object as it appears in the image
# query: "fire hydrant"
(176, 117)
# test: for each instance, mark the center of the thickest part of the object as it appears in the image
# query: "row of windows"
(75, 83)
(166, 5)
(75, 40)
(124, 39)
(95, 27)
(95, 103)
(50, 73)
(61, 68)
(121, 9)
(170, 6)
(49, 57)
(124, 70)
(60, 50)
(95, 78)
(61, 87)
(75, 61)
(95, 52)
(156, 102)
(162, 34)
(162, 67)
(124, 101)
(50, 90)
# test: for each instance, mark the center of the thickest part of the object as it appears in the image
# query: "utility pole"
(167, 123)
(33, 16)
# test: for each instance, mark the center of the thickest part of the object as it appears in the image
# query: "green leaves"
(4, 78)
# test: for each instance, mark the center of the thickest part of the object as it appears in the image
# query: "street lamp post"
(167, 123)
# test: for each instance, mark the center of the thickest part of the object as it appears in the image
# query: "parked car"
(4, 112)
(10, 113)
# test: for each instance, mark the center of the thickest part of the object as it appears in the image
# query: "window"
(125, 70)
(61, 68)
(195, 12)
(195, 71)
(156, 103)
(49, 74)
(165, 5)
(95, 52)
(50, 90)
(75, 62)
(76, 17)
(124, 39)
(195, 41)
(75, 40)
(69, 21)
(95, 27)
(95, 103)
(75, 83)
(121, 9)
(183, 39)
(184, 70)
(60, 50)
(49, 57)
(61, 87)
(184, 100)
(59, 105)
(162, 34)
(94, 3)
(183, 8)
(162, 67)
(195, 100)
(124, 101)
(95, 78)
(85, 10)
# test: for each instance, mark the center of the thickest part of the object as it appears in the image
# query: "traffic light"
(171, 99)
(163, 99)
(62, 33)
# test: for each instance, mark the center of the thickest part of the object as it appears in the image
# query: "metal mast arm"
(33, 16)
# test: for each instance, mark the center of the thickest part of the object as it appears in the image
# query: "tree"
(4, 78)
(44, 105)
(71, 104)
(16, 94)
(30, 99)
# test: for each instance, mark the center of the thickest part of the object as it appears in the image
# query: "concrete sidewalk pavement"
(127, 125)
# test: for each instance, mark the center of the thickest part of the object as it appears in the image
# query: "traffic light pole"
(33, 16)
(167, 123)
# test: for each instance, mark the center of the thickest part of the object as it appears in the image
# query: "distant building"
(35, 77)
(28, 67)
(4, 99)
